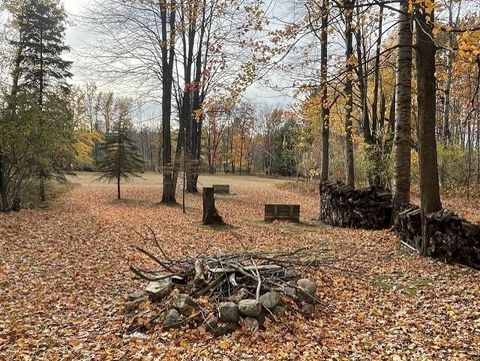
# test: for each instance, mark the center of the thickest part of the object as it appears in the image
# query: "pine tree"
(40, 71)
(120, 158)
(41, 24)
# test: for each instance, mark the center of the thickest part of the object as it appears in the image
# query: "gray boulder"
(307, 290)
(216, 330)
(156, 290)
(185, 304)
(212, 322)
(136, 295)
(270, 300)
(250, 307)
(251, 324)
(219, 331)
(279, 310)
(172, 319)
(228, 312)
(290, 292)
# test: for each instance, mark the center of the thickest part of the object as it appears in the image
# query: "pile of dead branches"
(221, 290)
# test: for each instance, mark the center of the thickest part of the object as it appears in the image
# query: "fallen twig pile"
(221, 291)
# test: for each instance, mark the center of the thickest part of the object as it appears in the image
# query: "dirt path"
(64, 275)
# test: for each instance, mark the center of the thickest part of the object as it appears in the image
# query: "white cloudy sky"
(78, 39)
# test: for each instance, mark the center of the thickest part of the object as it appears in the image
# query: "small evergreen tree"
(120, 158)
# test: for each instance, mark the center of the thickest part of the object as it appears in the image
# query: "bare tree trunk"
(231, 150)
(350, 174)
(446, 115)
(188, 15)
(377, 122)
(118, 187)
(211, 166)
(325, 110)
(403, 98)
(178, 152)
(446, 132)
(168, 52)
(426, 99)
(376, 79)
(41, 189)
(470, 146)
(3, 183)
(241, 153)
(363, 87)
(391, 115)
(478, 149)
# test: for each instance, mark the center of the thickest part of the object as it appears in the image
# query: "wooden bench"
(282, 211)
(221, 188)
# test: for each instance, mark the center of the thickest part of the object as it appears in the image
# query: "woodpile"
(451, 238)
(344, 206)
(408, 227)
(222, 292)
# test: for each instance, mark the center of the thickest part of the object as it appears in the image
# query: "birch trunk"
(403, 109)
(350, 174)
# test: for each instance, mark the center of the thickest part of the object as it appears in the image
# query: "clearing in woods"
(64, 277)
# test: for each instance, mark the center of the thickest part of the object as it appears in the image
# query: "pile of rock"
(246, 290)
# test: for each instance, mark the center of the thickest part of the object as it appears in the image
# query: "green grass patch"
(408, 286)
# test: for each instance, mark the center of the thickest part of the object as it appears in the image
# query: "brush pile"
(221, 292)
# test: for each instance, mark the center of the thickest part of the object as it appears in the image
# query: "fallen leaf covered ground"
(64, 277)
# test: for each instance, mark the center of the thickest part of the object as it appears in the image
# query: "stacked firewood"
(221, 292)
(344, 206)
(408, 225)
(451, 238)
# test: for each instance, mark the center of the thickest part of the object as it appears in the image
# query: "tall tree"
(403, 97)
(348, 7)
(325, 110)
(168, 11)
(39, 68)
(39, 74)
(426, 99)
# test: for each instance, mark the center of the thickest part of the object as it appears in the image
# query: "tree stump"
(210, 213)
